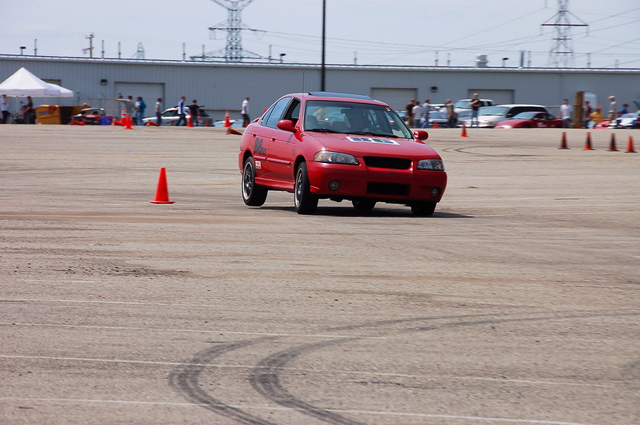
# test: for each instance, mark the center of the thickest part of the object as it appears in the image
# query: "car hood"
(373, 145)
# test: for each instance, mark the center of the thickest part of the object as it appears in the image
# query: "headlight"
(335, 158)
(431, 164)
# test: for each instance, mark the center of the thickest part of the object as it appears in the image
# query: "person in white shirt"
(566, 113)
(182, 112)
(417, 112)
(4, 106)
(245, 111)
(159, 111)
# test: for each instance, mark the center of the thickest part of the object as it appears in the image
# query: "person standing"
(245, 112)
(159, 111)
(194, 110)
(612, 108)
(409, 112)
(182, 112)
(129, 106)
(427, 113)
(587, 113)
(29, 112)
(475, 107)
(566, 112)
(140, 108)
(4, 107)
(417, 113)
(451, 114)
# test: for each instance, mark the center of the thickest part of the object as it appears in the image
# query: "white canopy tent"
(24, 83)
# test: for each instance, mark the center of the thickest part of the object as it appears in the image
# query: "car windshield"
(492, 110)
(462, 104)
(326, 116)
(526, 115)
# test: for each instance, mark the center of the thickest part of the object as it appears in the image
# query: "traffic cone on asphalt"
(162, 194)
(127, 124)
(630, 146)
(435, 125)
(612, 145)
(190, 121)
(152, 124)
(563, 142)
(227, 121)
(76, 122)
(464, 130)
(232, 131)
(587, 144)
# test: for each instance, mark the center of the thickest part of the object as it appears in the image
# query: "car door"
(263, 138)
(282, 146)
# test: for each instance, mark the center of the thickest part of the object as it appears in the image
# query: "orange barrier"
(563, 142)
(630, 146)
(162, 194)
(612, 145)
(587, 145)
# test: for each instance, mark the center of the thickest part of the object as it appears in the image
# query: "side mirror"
(421, 135)
(286, 125)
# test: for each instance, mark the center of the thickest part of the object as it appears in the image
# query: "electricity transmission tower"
(561, 53)
(233, 26)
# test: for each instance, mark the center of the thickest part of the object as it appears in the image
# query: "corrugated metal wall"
(222, 87)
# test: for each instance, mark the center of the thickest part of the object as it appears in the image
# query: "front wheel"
(253, 194)
(423, 209)
(304, 201)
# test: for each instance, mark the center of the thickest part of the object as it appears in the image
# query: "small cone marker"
(464, 130)
(587, 145)
(227, 121)
(152, 124)
(612, 146)
(127, 124)
(232, 131)
(563, 142)
(162, 194)
(190, 121)
(435, 125)
(630, 146)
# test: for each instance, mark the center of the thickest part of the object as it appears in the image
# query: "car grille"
(383, 162)
(394, 189)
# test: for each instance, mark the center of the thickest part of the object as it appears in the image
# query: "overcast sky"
(366, 32)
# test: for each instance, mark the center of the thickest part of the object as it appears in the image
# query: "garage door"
(396, 98)
(149, 92)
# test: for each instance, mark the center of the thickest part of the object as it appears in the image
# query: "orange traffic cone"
(152, 124)
(162, 194)
(587, 145)
(77, 122)
(127, 124)
(464, 130)
(612, 146)
(232, 131)
(190, 122)
(435, 125)
(227, 121)
(563, 142)
(630, 146)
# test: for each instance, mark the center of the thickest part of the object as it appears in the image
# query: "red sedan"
(339, 146)
(531, 119)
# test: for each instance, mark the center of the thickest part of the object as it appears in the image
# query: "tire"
(253, 194)
(423, 209)
(363, 204)
(304, 201)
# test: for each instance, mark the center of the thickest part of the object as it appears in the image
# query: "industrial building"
(221, 86)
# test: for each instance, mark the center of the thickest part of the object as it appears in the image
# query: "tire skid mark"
(265, 376)
(186, 381)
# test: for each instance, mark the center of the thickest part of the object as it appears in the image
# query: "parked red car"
(337, 146)
(531, 119)
(90, 116)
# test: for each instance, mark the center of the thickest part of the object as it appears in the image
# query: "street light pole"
(324, 34)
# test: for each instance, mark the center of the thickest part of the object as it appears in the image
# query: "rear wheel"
(423, 209)
(304, 201)
(253, 194)
(363, 204)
